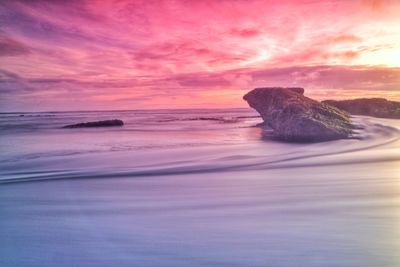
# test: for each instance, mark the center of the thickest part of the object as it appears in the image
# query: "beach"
(195, 188)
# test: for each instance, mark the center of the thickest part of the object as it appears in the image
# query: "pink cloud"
(133, 48)
(246, 32)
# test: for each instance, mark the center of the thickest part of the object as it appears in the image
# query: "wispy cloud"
(184, 53)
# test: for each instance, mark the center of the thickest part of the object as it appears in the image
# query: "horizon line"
(96, 110)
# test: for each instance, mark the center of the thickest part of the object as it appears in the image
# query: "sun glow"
(389, 57)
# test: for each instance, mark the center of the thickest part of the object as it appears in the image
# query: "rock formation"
(294, 117)
(105, 123)
(375, 107)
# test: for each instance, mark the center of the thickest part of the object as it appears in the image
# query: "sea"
(195, 187)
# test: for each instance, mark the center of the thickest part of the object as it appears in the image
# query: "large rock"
(294, 117)
(375, 107)
(106, 123)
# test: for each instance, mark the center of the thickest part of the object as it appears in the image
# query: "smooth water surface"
(194, 188)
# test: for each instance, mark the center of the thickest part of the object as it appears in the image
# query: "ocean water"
(194, 188)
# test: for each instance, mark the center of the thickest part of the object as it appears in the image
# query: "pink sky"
(109, 54)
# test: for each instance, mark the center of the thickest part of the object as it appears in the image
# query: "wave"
(218, 119)
(375, 141)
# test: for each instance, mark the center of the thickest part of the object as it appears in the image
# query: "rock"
(375, 107)
(294, 117)
(106, 123)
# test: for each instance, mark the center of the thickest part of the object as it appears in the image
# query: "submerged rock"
(105, 123)
(375, 107)
(294, 117)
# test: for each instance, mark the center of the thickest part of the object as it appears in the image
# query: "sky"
(146, 54)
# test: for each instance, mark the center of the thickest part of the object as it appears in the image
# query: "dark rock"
(298, 90)
(106, 123)
(375, 107)
(294, 117)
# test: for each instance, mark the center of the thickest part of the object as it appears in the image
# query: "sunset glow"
(109, 54)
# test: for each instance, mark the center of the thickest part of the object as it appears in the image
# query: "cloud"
(11, 47)
(224, 87)
(8, 75)
(376, 5)
(334, 77)
(100, 50)
(345, 38)
(245, 32)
